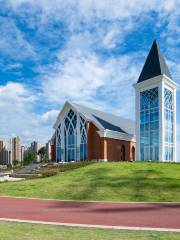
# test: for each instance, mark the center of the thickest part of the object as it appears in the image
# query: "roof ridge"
(162, 63)
(108, 125)
(113, 115)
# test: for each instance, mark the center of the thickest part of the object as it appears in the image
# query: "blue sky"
(86, 51)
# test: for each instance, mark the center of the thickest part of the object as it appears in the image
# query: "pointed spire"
(155, 65)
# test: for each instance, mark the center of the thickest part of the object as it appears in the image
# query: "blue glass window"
(68, 149)
(168, 125)
(70, 136)
(58, 144)
(149, 124)
(83, 144)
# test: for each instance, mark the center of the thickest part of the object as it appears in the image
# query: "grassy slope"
(105, 181)
(21, 231)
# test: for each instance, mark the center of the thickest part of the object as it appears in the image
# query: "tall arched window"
(70, 136)
(168, 125)
(122, 153)
(83, 143)
(149, 124)
(58, 144)
(133, 153)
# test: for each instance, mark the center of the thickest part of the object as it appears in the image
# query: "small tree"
(15, 163)
(42, 152)
(29, 158)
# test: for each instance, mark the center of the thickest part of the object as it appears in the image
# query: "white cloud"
(17, 117)
(106, 9)
(94, 81)
(175, 70)
(14, 92)
(78, 78)
(50, 115)
(12, 42)
(115, 34)
(13, 66)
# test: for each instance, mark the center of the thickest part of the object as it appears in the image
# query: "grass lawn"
(24, 231)
(105, 181)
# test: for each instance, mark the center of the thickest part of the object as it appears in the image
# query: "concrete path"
(115, 215)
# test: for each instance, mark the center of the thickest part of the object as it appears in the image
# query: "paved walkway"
(143, 215)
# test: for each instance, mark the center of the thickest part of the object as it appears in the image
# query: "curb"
(92, 226)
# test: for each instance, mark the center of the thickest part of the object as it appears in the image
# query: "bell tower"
(155, 110)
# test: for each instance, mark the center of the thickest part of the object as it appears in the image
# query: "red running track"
(151, 215)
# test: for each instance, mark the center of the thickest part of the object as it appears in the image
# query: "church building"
(82, 133)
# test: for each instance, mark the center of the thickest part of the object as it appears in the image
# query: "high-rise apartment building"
(48, 150)
(15, 149)
(4, 153)
(22, 153)
(35, 146)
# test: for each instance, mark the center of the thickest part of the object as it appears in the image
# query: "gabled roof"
(155, 65)
(106, 120)
(109, 126)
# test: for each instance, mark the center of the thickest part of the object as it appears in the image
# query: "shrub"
(48, 173)
(51, 170)
(16, 163)
(73, 165)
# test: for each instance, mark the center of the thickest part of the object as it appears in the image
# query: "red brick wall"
(114, 149)
(95, 143)
(53, 150)
(106, 148)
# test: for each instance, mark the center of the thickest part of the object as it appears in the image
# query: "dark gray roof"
(155, 65)
(107, 120)
(109, 126)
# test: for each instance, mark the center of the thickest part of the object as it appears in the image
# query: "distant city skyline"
(11, 151)
(14, 150)
(90, 52)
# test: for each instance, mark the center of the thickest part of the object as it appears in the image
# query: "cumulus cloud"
(50, 115)
(17, 118)
(78, 78)
(91, 80)
(15, 92)
(13, 43)
(90, 12)
(109, 8)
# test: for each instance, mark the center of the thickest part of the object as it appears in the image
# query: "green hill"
(105, 181)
